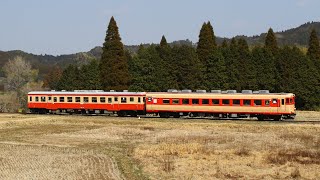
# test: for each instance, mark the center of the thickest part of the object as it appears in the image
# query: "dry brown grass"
(98, 147)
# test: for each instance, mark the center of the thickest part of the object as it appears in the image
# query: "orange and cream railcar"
(123, 103)
(263, 106)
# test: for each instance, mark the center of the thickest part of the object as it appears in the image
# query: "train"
(261, 104)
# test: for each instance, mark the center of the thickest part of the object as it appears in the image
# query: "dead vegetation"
(98, 147)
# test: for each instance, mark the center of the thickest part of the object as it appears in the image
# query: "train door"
(115, 103)
(149, 102)
(50, 102)
(282, 107)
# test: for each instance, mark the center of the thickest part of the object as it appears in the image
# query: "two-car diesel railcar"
(261, 104)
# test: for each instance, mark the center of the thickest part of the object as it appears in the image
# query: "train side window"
(61, 99)
(149, 99)
(139, 99)
(37, 99)
(109, 100)
(287, 100)
(123, 100)
(274, 101)
(85, 99)
(69, 99)
(175, 101)
(55, 99)
(185, 101)
(165, 101)
(30, 98)
(267, 102)
(236, 102)
(115, 99)
(43, 99)
(257, 102)
(282, 101)
(102, 99)
(49, 98)
(225, 101)
(195, 101)
(247, 102)
(77, 99)
(205, 101)
(215, 101)
(131, 99)
(94, 99)
(144, 99)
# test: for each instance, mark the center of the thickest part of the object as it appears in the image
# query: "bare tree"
(18, 72)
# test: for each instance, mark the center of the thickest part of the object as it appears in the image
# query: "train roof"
(86, 92)
(217, 95)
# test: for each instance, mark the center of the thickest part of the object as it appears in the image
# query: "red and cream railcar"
(131, 103)
(263, 106)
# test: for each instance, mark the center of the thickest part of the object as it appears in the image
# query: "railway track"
(198, 118)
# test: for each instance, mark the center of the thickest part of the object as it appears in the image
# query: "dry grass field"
(100, 147)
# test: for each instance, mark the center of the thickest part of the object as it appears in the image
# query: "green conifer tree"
(314, 49)
(206, 42)
(114, 72)
(271, 42)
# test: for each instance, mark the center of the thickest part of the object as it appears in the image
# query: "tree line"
(231, 65)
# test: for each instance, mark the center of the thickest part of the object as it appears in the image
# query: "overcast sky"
(69, 26)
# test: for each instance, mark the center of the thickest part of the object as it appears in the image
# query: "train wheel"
(260, 117)
(277, 118)
(176, 115)
(164, 115)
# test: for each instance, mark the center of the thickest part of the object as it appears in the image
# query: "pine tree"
(114, 73)
(231, 57)
(265, 64)
(70, 79)
(247, 73)
(271, 42)
(163, 42)
(314, 49)
(216, 77)
(206, 42)
(89, 75)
